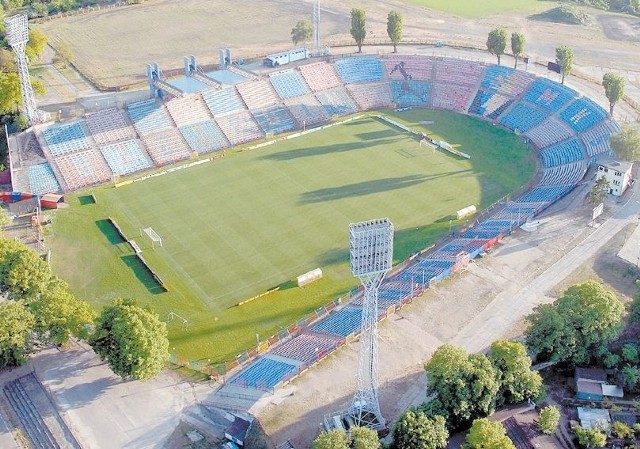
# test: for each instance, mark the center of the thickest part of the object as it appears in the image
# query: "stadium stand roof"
(226, 77)
(189, 85)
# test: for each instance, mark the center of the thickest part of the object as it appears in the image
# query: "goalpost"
(153, 235)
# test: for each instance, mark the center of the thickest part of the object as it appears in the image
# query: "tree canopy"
(590, 437)
(364, 438)
(358, 26)
(564, 58)
(302, 32)
(485, 434)
(132, 339)
(517, 46)
(613, 88)
(15, 333)
(497, 42)
(23, 274)
(465, 386)
(626, 143)
(415, 430)
(334, 439)
(576, 326)
(394, 28)
(549, 419)
(10, 99)
(517, 381)
(599, 191)
(36, 44)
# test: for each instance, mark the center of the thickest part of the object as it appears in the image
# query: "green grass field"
(475, 8)
(235, 227)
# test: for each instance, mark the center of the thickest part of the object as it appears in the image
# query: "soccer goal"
(153, 235)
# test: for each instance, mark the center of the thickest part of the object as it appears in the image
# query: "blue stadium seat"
(149, 116)
(411, 93)
(274, 119)
(126, 157)
(288, 84)
(204, 137)
(344, 322)
(42, 179)
(264, 374)
(65, 138)
(223, 101)
(549, 94)
(583, 114)
(336, 101)
(307, 348)
(426, 270)
(562, 153)
(522, 117)
(359, 69)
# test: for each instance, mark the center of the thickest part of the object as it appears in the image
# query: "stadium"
(163, 193)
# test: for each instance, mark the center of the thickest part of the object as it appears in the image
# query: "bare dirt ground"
(621, 28)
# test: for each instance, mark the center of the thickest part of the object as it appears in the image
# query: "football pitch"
(238, 226)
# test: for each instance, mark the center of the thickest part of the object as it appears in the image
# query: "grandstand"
(565, 131)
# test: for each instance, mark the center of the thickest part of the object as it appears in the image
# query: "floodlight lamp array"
(371, 246)
(16, 30)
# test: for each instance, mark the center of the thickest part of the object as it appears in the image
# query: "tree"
(7, 61)
(576, 326)
(23, 274)
(394, 28)
(626, 143)
(517, 381)
(302, 32)
(613, 88)
(364, 438)
(485, 434)
(590, 437)
(15, 333)
(358, 27)
(334, 439)
(599, 191)
(549, 419)
(621, 430)
(5, 219)
(629, 377)
(10, 99)
(497, 42)
(465, 386)
(132, 339)
(630, 353)
(517, 46)
(415, 430)
(634, 307)
(564, 58)
(36, 44)
(59, 314)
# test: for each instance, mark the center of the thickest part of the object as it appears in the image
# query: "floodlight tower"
(316, 27)
(17, 33)
(371, 250)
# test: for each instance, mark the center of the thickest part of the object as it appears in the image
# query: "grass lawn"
(254, 220)
(475, 8)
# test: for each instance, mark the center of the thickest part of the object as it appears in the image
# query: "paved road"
(508, 307)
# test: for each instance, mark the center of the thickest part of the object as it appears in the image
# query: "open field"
(254, 220)
(474, 8)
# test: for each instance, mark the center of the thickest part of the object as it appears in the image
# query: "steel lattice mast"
(371, 250)
(17, 33)
(316, 27)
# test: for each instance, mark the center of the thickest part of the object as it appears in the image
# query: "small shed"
(51, 201)
(591, 374)
(597, 418)
(237, 431)
(589, 390)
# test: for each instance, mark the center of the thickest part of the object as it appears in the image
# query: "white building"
(618, 174)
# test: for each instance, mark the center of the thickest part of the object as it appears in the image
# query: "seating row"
(567, 174)
(257, 94)
(506, 81)
(489, 104)
(42, 179)
(188, 110)
(359, 69)
(544, 194)
(274, 119)
(109, 125)
(411, 93)
(83, 169)
(149, 116)
(204, 137)
(522, 117)
(223, 101)
(166, 147)
(344, 322)
(64, 138)
(371, 95)
(458, 71)
(550, 131)
(337, 101)
(265, 374)
(460, 245)
(307, 110)
(320, 76)
(426, 270)
(548, 94)
(596, 140)
(307, 348)
(126, 157)
(563, 153)
(288, 84)
(405, 67)
(583, 114)
(240, 127)
(451, 97)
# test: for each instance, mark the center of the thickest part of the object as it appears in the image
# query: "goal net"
(153, 235)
